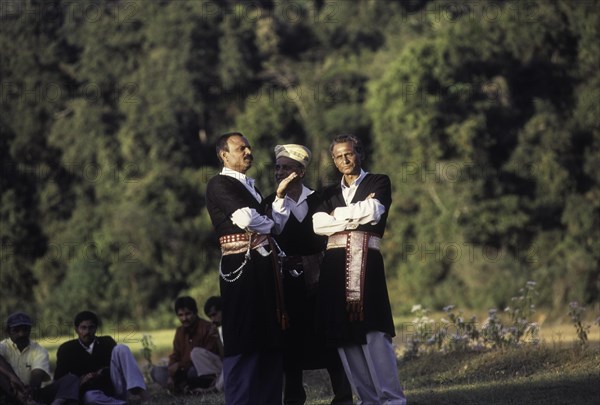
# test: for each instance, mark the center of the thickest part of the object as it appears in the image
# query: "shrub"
(456, 334)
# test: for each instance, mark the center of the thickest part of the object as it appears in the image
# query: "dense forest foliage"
(484, 114)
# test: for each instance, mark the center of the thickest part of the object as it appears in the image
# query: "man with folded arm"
(353, 299)
(253, 313)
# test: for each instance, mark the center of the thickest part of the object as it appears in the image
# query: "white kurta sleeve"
(249, 219)
(281, 213)
(368, 211)
(325, 224)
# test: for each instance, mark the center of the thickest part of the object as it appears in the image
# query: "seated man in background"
(197, 357)
(24, 366)
(108, 373)
(213, 310)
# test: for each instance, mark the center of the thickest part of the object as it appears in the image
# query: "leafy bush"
(453, 333)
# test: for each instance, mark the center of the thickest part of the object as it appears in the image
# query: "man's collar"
(14, 345)
(91, 346)
(356, 182)
(237, 175)
(305, 193)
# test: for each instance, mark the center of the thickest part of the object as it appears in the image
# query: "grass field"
(555, 372)
(549, 374)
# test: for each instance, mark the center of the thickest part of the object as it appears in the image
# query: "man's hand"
(89, 376)
(22, 392)
(170, 384)
(16, 383)
(172, 369)
(372, 195)
(283, 184)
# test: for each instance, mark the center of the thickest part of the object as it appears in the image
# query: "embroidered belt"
(340, 240)
(243, 243)
(357, 245)
(238, 243)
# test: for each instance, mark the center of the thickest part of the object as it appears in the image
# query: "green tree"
(482, 134)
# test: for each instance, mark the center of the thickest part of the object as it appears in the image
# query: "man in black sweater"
(108, 372)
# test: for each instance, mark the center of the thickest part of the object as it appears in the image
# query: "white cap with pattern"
(299, 153)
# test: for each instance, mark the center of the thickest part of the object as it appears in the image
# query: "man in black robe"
(292, 207)
(353, 300)
(253, 313)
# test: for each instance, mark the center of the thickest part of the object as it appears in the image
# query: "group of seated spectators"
(96, 370)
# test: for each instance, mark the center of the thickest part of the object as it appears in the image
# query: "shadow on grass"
(582, 390)
(557, 391)
(548, 375)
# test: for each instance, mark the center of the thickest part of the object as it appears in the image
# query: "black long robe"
(249, 304)
(333, 318)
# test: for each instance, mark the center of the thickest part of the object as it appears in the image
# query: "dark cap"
(18, 319)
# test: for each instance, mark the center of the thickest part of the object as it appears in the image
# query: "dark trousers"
(255, 378)
(66, 388)
(294, 393)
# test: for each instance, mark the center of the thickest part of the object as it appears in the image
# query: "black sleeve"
(225, 195)
(326, 196)
(382, 188)
(267, 205)
(228, 197)
(110, 341)
(61, 362)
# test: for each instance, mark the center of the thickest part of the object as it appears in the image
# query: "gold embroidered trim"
(357, 245)
(234, 244)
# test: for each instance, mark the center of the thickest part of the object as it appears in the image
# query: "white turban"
(299, 153)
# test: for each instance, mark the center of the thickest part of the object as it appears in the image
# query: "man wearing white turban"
(291, 208)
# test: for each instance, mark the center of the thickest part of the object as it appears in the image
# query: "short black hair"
(222, 143)
(212, 302)
(86, 316)
(186, 302)
(343, 138)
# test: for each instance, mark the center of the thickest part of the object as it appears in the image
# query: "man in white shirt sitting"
(24, 367)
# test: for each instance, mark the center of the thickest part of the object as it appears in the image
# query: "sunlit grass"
(550, 332)
(556, 371)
